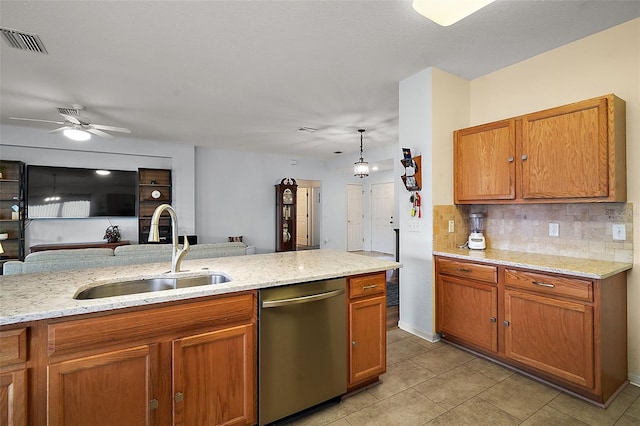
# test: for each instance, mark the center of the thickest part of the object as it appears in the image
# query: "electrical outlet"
(451, 226)
(619, 232)
(554, 229)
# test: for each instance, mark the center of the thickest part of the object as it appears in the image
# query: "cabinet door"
(368, 337)
(565, 152)
(468, 310)
(114, 388)
(13, 398)
(484, 166)
(553, 336)
(214, 378)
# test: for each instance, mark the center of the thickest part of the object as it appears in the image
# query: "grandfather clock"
(286, 192)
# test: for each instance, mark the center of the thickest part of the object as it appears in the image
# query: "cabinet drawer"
(468, 270)
(13, 346)
(367, 285)
(550, 285)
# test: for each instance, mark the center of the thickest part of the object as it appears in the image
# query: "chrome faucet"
(177, 253)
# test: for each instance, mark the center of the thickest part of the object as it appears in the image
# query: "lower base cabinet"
(187, 364)
(13, 377)
(569, 331)
(367, 312)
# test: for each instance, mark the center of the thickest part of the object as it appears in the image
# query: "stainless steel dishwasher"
(302, 347)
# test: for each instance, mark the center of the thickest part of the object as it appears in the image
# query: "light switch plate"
(415, 225)
(554, 229)
(619, 232)
(451, 226)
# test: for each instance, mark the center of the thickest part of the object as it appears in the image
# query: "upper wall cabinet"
(572, 153)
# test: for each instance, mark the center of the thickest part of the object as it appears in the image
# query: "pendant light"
(361, 167)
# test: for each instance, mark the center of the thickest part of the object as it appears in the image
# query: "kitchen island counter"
(33, 297)
(585, 268)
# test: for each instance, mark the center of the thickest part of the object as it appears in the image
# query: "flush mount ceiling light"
(361, 167)
(448, 12)
(77, 134)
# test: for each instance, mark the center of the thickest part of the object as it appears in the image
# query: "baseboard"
(634, 379)
(431, 337)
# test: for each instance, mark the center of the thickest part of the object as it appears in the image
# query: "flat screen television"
(64, 192)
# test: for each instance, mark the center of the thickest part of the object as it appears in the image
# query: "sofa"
(62, 260)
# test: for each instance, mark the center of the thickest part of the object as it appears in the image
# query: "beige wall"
(607, 62)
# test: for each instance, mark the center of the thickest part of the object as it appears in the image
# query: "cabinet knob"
(492, 319)
(510, 159)
(153, 404)
(353, 343)
(179, 397)
(524, 156)
(506, 323)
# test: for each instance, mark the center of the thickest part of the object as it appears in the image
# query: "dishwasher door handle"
(301, 299)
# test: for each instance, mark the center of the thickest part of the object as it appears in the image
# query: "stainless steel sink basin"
(149, 285)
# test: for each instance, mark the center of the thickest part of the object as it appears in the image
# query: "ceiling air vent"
(23, 41)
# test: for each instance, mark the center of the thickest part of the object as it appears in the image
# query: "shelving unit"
(154, 188)
(12, 187)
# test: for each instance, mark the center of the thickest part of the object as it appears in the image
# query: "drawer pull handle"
(369, 287)
(539, 284)
(467, 270)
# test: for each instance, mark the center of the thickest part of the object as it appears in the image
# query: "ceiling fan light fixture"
(77, 135)
(448, 12)
(361, 167)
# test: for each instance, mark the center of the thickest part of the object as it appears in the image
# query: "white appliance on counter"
(476, 237)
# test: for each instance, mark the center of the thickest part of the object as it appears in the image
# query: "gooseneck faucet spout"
(177, 253)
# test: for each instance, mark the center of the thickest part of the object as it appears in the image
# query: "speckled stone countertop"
(31, 297)
(587, 268)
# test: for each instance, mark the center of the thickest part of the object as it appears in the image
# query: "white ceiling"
(245, 75)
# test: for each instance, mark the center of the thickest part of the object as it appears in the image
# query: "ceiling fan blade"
(111, 128)
(35, 119)
(72, 119)
(99, 133)
(60, 129)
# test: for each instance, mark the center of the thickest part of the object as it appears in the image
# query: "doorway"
(308, 215)
(355, 217)
(383, 237)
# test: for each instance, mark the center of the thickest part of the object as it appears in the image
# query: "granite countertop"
(31, 297)
(586, 268)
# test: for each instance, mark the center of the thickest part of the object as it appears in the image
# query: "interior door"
(302, 217)
(382, 234)
(355, 217)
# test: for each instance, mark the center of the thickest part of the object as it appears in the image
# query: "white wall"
(416, 281)
(607, 62)
(34, 146)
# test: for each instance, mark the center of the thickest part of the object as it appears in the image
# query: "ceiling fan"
(76, 126)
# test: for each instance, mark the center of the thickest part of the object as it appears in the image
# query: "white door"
(302, 217)
(383, 237)
(355, 217)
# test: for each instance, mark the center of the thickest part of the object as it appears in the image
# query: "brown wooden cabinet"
(484, 162)
(569, 331)
(154, 189)
(216, 366)
(13, 377)
(286, 215)
(470, 295)
(571, 153)
(187, 363)
(367, 328)
(12, 210)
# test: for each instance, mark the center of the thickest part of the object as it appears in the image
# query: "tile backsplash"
(585, 229)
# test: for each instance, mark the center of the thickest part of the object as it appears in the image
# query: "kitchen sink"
(149, 285)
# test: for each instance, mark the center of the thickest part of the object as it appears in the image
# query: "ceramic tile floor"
(438, 384)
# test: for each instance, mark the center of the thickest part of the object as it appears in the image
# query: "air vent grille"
(69, 111)
(23, 41)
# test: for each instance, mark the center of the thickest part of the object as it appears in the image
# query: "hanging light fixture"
(361, 167)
